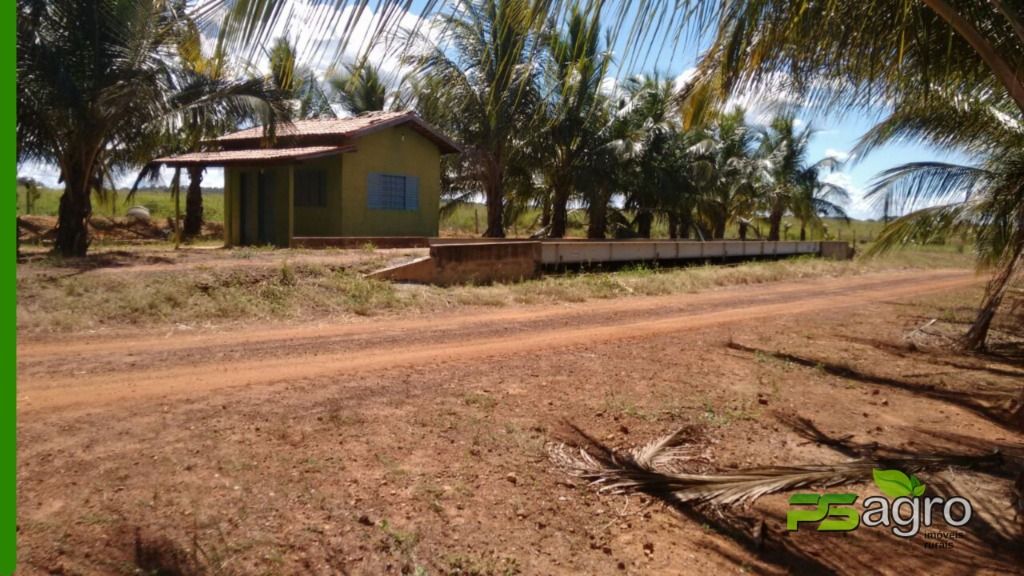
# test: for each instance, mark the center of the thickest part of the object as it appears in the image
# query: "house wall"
(325, 221)
(280, 182)
(401, 151)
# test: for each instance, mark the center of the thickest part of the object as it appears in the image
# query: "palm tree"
(360, 89)
(205, 124)
(984, 199)
(298, 83)
(968, 44)
(814, 199)
(734, 175)
(576, 69)
(930, 53)
(649, 150)
(485, 60)
(98, 89)
(792, 184)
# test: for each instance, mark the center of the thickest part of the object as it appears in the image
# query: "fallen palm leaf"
(656, 469)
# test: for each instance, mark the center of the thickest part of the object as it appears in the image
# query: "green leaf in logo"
(917, 487)
(893, 483)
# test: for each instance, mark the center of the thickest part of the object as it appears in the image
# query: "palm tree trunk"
(597, 216)
(644, 219)
(673, 225)
(73, 217)
(994, 293)
(685, 223)
(775, 222)
(495, 208)
(743, 230)
(803, 231)
(1001, 68)
(194, 203)
(559, 211)
(718, 232)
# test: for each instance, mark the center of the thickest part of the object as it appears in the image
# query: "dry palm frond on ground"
(657, 468)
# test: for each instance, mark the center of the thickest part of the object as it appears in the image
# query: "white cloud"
(859, 207)
(772, 96)
(840, 155)
(609, 85)
(683, 79)
(327, 37)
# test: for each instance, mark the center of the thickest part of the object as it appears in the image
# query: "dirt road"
(85, 374)
(418, 444)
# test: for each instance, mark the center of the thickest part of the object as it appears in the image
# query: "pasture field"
(470, 219)
(159, 202)
(463, 220)
(155, 286)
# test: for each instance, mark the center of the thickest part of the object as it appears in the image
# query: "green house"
(371, 176)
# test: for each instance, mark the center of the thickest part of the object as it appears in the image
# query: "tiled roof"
(319, 127)
(259, 155)
(347, 128)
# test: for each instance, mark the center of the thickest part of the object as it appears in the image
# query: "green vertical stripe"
(8, 449)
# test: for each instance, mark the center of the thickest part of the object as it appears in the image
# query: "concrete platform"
(481, 262)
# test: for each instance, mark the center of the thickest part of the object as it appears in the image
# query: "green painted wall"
(278, 178)
(400, 151)
(326, 221)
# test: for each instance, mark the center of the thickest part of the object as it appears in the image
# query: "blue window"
(392, 192)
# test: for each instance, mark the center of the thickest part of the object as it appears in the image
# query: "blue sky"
(836, 134)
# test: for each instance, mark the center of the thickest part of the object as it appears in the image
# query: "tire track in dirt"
(127, 353)
(63, 391)
(235, 336)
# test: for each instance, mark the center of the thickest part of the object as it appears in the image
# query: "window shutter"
(374, 195)
(412, 193)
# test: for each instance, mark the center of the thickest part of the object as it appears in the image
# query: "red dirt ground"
(417, 444)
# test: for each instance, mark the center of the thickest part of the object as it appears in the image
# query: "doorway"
(257, 207)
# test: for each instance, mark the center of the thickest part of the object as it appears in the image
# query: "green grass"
(464, 220)
(159, 202)
(54, 299)
(70, 302)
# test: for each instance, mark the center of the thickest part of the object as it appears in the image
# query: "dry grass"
(54, 299)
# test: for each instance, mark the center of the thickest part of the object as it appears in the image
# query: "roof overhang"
(252, 156)
(328, 131)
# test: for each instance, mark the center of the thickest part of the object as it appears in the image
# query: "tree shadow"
(748, 531)
(96, 261)
(1007, 354)
(161, 556)
(1001, 408)
(762, 534)
(1003, 460)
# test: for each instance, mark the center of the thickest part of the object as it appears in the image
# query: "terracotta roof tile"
(259, 155)
(319, 127)
(346, 128)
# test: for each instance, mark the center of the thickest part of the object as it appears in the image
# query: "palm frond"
(656, 469)
(918, 184)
